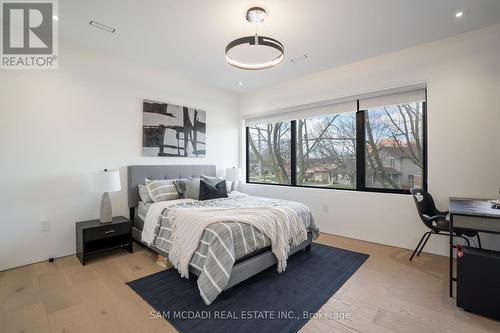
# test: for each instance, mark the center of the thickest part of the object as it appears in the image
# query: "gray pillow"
(161, 190)
(216, 180)
(180, 186)
(143, 193)
(192, 189)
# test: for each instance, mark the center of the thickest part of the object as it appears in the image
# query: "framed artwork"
(173, 130)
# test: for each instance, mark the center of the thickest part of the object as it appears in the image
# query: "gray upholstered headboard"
(138, 173)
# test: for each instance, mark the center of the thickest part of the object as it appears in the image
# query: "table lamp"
(233, 175)
(106, 181)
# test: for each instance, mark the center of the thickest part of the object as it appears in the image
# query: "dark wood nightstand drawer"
(93, 237)
(105, 231)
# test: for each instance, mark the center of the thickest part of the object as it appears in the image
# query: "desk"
(472, 215)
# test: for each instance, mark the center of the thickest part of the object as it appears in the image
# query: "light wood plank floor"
(387, 294)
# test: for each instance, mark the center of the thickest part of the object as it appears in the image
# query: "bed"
(228, 252)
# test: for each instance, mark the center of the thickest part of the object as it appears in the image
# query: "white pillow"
(161, 190)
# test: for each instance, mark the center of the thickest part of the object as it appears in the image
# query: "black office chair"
(436, 221)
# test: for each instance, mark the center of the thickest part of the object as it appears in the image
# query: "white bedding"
(152, 216)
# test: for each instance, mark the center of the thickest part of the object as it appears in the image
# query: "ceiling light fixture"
(267, 46)
(55, 18)
(240, 83)
(459, 14)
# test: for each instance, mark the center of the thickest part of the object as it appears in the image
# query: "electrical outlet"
(45, 225)
(325, 209)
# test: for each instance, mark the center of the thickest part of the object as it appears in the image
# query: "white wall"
(56, 127)
(59, 126)
(463, 79)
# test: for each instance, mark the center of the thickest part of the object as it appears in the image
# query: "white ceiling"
(188, 37)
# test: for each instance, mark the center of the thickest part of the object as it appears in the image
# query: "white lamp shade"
(233, 174)
(106, 181)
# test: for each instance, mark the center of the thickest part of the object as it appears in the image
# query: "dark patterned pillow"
(216, 180)
(180, 186)
(216, 191)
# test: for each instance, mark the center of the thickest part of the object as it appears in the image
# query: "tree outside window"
(394, 146)
(269, 153)
(326, 152)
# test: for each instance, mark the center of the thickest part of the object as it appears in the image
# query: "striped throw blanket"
(281, 225)
(224, 243)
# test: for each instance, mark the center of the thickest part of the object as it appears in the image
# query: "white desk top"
(473, 207)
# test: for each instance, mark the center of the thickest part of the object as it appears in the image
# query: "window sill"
(366, 190)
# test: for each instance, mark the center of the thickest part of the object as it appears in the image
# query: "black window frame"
(360, 157)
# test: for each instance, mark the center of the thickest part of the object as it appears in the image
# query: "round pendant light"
(255, 52)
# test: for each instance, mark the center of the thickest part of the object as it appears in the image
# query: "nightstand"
(93, 237)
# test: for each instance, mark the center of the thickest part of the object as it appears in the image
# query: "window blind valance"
(392, 99)
(304, 112)
(413, 93)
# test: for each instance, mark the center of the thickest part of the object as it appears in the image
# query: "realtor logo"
(29, 34)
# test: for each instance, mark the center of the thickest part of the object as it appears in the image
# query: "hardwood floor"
(387, 294)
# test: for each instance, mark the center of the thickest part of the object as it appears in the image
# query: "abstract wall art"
(173, 130)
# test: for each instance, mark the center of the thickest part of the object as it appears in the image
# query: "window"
(394, 134)
(372, 144)
(326, 151)
(269, 153)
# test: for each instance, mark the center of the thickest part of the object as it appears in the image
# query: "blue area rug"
(267, 302)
